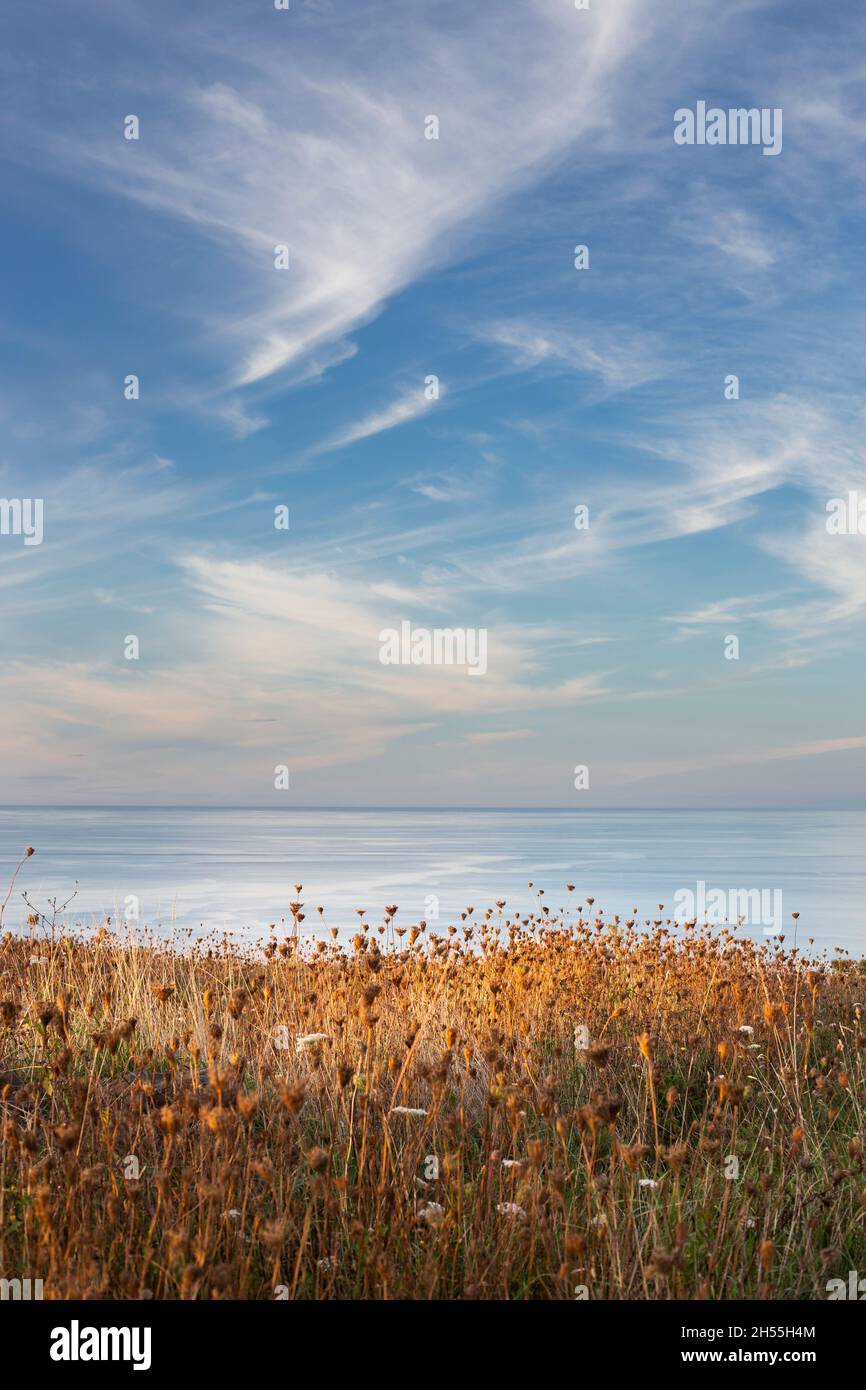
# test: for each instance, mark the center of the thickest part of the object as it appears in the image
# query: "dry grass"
(451, 1134)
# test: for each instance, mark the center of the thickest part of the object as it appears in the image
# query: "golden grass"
(453, 1132)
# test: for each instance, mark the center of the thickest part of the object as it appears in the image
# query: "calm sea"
(234, 870)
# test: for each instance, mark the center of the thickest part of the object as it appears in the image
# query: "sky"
(431, 388)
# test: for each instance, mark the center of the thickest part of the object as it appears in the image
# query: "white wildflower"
(433, 1213)
(511, 1209)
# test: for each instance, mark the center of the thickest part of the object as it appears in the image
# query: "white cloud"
(737, 235)
(640, 770)
(833, 563)
(279, 666)
(498, 736)
(407, 406)
(619, 360)
(291, 144)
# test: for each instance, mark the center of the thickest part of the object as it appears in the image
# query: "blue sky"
(305, 387)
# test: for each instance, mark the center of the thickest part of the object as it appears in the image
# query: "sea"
(190, 872)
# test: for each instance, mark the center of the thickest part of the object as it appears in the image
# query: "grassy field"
(554, 1107)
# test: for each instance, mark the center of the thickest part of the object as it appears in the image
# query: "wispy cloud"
(619, 360)
(733, 234)
(408, 406)
(365, 203)
(286, 669)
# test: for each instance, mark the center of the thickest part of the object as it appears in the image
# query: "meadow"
(555, 1106)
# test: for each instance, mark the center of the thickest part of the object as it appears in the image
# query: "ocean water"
(228, 870)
